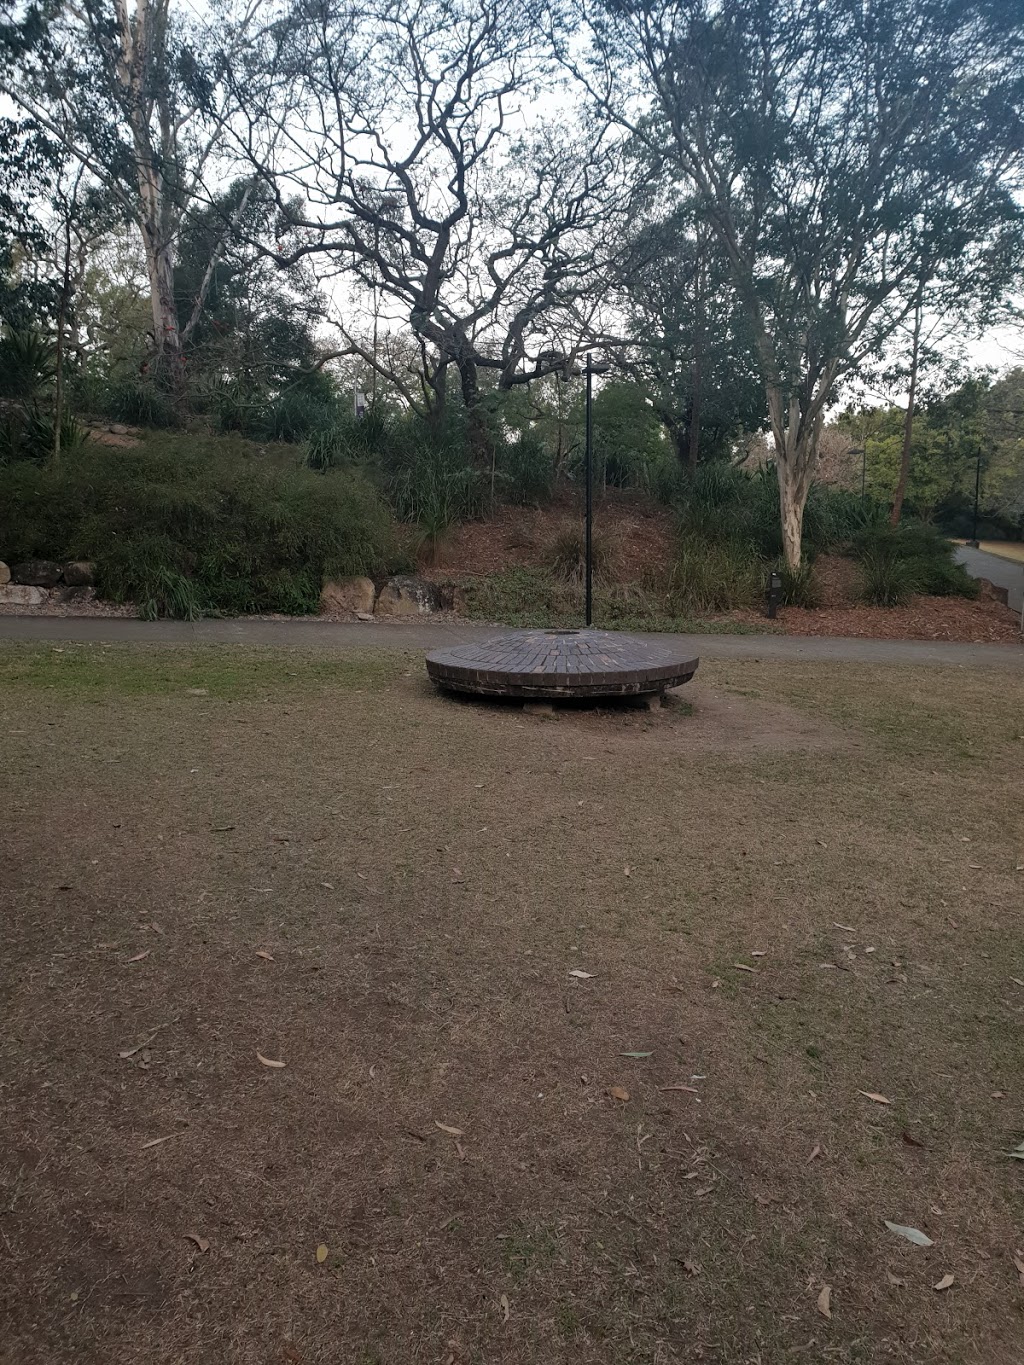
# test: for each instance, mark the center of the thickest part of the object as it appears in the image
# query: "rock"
(40, 573)
(80, 574)
(76, 596)
(118, 428)
(453, 598)
(364, 615)
(992, 592)
(407, 596)
(5, 573)
(21, 595)
(348, 594)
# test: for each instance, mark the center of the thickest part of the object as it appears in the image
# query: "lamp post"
(974, 542)
(588, 468)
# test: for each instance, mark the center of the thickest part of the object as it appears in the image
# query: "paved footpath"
(1005, 573)
(422, 637)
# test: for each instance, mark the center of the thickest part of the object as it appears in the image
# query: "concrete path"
(1003, 572)
(422, 637)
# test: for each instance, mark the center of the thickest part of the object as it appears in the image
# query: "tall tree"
(126, 90)
(815, 134)
(406, 131)
(688, 343)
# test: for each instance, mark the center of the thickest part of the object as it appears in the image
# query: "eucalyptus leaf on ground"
(911, 1234)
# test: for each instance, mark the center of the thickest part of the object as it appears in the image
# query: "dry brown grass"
(425, 874)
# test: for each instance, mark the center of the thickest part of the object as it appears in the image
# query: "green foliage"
(713, 575)
(28, 365)
(913, 557)
(427, 476)
(799, 586)
(184, 526)
(526, 470)
(568, 555)
(536, 598)
(887, 581)
(138, 402)
(27, 433)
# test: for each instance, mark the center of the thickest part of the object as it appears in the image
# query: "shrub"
(526, 470)
(185, 526)
(568, 555)
(887, 581)
(799, 586)
(715, 575)
(925, 551)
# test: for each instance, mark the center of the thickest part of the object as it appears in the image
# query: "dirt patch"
(639, 532)
(923, 618)
(213, 854)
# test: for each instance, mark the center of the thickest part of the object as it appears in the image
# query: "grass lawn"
(802, 886)
(1005, 549)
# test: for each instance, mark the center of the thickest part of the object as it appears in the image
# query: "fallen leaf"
(582, 976)
(944, 1283)
(321, 1253)
(815, 1152)
(911, 1140)
(691, 1266)
(873, 1095)
(742, 967)
(618, 1092)
(1017, 1153)
(690, 1089)
(328, 886)
(201, 1242)
(627, 871)
(505, 1308)
(220, 829)
(267, 1061)
(911, 1234)
(267, 957)
(131, 1051)
(895, 1280)
(155, 1142)
(1018, 1261)
(139, 956)
(846, 928)
(457, 875)
(636, 1054)
(825, 1301)
(445, 1128)
(156, 929)
(460, 1150)
(755, 953)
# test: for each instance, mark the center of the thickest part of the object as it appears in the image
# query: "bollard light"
(772, 592)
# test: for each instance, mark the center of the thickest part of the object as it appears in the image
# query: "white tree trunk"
(796, 451)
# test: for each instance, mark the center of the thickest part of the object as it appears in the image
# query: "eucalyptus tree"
(816, 136)
(127, 89)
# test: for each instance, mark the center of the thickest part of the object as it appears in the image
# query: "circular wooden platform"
(562, 663)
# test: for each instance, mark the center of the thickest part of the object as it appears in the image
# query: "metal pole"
(977, 494)
(864, 472)
(589, 464)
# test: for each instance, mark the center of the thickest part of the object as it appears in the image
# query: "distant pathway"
(1003, 572)
(422, 637)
